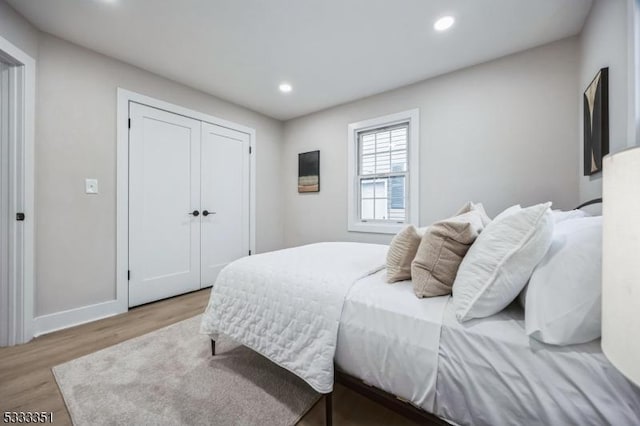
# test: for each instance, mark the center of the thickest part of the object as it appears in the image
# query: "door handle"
(195, 213)
(207, 213)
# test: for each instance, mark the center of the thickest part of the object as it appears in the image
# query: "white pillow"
(558, 216)
(561, 216)
(508, 211)
(500, 261)
(563, 296)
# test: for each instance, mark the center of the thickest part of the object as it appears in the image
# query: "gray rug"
(168, 377)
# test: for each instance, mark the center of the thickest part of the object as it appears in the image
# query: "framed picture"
(309, 172)
(596, 122)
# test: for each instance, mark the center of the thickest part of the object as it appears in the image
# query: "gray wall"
(502, 132)
(76, 139)
(17, 30)
(603, 43)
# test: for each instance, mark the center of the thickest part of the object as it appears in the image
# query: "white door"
(224, 200)
(164, 204)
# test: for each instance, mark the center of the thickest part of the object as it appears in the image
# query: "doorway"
(188, 202)
(17, 99)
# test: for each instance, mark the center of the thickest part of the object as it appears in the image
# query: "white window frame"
(355, 224)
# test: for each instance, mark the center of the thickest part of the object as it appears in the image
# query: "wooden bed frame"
(392, 402)
(386, 399)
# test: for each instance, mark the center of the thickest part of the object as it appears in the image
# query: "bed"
(378, 342)
(309, 307)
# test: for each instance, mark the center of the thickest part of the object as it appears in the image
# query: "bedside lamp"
(621, 262)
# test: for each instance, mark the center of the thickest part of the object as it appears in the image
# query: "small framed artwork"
(596, 122)
(309, 171)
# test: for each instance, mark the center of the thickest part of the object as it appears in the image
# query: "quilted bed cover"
(286, 304)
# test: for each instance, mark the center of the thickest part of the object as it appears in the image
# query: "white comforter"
(286, 305)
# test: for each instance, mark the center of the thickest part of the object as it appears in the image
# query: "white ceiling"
(331, 51)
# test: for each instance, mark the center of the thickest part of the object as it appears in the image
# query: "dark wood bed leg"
(328, 409)
(213, 347)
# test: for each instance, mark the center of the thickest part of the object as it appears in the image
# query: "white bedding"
(286, 305)
(483, 372)
(389, 338)
(491, 373)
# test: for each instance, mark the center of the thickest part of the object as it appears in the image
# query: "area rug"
(168, 377)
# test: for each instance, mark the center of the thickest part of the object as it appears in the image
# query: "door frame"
(20, 289)
(633, 77)
(125, 96)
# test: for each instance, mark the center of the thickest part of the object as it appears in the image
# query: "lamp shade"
(621, 262)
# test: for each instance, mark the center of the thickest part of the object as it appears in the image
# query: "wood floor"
(27, 384)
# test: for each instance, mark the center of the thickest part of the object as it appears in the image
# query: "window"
(383, 182)
(382, 171)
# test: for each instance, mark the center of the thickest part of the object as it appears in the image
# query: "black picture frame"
(596, 122)
(309, 172)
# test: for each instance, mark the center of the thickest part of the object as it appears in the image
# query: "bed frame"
(588, 203)
(392, 402)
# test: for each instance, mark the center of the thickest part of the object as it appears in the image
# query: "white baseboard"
(65, 319)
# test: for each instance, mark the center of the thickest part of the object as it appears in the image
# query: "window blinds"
(383, 173)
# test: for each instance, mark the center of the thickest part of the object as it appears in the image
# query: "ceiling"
(331, 51)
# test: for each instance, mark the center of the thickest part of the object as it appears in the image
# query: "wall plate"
(91, 186)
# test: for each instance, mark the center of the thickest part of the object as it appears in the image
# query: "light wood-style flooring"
(27, 384)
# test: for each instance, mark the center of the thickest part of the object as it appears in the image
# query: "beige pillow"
(401, 252)
(471, 206)
(441, 251)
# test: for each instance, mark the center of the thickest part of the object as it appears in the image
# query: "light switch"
(91, 186)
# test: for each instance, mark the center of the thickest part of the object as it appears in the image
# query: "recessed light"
(444, 23)
(285, 87)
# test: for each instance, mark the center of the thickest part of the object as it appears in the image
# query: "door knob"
(207, 213)
(195, 213)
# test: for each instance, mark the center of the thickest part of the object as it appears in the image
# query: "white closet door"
(225, 199)
(164, 191)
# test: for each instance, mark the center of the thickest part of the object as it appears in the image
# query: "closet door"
(224, 200)
(164, 204)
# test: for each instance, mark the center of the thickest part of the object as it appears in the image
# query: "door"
(224, 199)
(164, 204)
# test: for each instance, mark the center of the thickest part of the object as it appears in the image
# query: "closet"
(188, 202)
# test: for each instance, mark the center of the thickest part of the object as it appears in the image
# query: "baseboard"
(72, 317)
